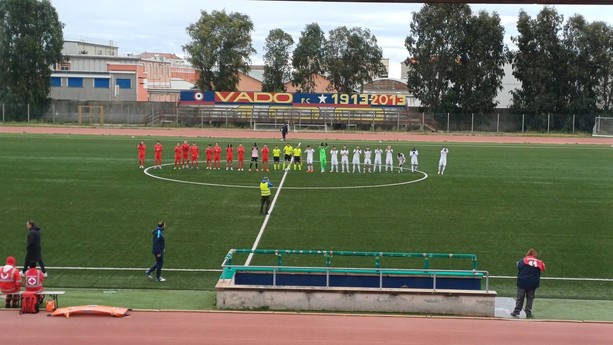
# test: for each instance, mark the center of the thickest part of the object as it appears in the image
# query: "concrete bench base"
(418, 301)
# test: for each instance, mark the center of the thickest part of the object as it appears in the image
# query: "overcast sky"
(136, 26)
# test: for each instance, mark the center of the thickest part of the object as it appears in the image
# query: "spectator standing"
(158, 250)
(284, 130)
(34, 248)
(528, 280)
(10, 282)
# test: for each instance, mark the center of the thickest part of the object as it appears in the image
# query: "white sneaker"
(161, 279)
(45, 274)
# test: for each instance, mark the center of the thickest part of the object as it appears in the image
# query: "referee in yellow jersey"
(297, 154)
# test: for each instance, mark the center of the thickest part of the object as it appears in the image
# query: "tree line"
(455, 59)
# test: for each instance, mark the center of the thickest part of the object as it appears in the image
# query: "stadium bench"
(54, 295)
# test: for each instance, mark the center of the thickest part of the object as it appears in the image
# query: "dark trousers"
(528, 295)
(157, 266)
(36, 258)
(265, 201)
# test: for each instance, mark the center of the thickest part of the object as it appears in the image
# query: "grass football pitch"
(96, 209)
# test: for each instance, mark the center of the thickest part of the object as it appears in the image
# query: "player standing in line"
(378, 153)
(255, 154)
(195, 154)
(309, 158)
(178, 154)
(241, 157)
(355, 162)
(334, 159)
(367, 159)
(442, 162)
(141, 154)
(229, 157)
(389, 159)
(297, 154)
(217, 157)
(157, 151)
(276, 157)
(401, 160)
(265, 157)
(185, 155)
(414, 153)
(344, 159)
(209, 157)
(322, 156)
(288, 150)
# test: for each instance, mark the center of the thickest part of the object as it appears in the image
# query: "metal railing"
(230, 270)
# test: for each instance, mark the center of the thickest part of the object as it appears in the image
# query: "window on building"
(124, 83)
(56, 82)
(75, 82)
(102, 83)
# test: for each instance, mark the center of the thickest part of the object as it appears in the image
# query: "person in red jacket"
(241, 157)
(185, 154)
(157, 160)
(10, 282)
(141, 154)
(217, 157)
(178, 153)
(229, 157)
(265, 157)
(209, 157)
(34, 280)
(195, 154)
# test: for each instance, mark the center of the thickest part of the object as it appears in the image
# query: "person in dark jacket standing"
(33, 249)
(528, 280)
(158, 249)
(284, 130)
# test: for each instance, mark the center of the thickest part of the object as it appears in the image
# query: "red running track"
(152, 133)
(227, 328)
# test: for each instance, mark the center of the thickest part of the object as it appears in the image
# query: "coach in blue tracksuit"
(528, 280)
(158, 249)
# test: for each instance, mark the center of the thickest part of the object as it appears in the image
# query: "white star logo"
(322, 98)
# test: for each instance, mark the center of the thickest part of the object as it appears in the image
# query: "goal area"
(603, 127)
(293, 127)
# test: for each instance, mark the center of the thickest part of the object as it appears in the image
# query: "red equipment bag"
(29, 303)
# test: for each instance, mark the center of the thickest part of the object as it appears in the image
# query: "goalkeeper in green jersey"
(322, 156)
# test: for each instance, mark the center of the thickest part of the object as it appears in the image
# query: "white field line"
(272, 206)
(76, 268)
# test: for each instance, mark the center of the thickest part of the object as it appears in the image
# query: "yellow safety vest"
(264, 189)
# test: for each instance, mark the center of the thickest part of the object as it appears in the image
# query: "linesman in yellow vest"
(276, 157)
(297, 154)
(265, 186)
(288, 150)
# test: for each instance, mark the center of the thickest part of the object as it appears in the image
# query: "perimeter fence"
(259, 117)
